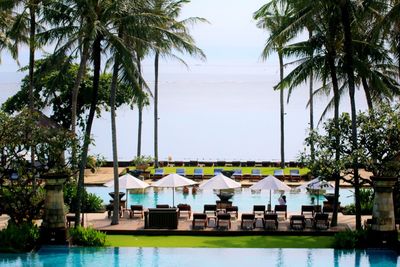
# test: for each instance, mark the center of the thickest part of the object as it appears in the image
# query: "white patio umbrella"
(173, 180)
(270, 183)
(127, 182)
(219, 182)
(317, 186)
(304, 186)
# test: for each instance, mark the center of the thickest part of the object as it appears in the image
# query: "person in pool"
(185, 190)
(282, 200)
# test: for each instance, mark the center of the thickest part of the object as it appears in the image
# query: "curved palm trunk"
(311, 95)
(140, 107)
(367, 94)
(32, 35)
(115, 218)
(349, 69)
(156, 109)
(89, 123)
(74, 101)
(282, 115)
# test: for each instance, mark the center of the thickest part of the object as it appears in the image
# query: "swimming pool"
(193, 257)
(244, 198)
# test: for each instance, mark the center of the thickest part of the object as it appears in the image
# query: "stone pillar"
(53, 227)
(383, 220)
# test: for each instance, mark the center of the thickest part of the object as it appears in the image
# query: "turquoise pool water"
(244, 198)
(193, 257)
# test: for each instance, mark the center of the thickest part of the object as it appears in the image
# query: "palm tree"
(272, 16)
(175, 37)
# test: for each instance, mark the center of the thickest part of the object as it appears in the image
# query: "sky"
(223, 108)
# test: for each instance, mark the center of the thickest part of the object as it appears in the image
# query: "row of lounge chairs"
(222, 218)
(294, 174)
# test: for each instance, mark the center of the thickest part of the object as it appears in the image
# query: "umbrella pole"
(173, 196)
(269, 204)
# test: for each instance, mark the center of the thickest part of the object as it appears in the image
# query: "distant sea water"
(209, 112)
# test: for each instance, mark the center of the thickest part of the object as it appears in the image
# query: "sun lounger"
(199, 220)
(162, 218)
(297, 222)
(158, 173)
(136, 209)
(162, 206)
(281, 211)
(218, 171)
(184, 209)
(233, 211)
(198, 173)
(211, 211)
(308, 212)
(259, 211)
(294, 175)
(321, 221)
(223, 221)
(180, 171)
(237, 174)
(279, 174)
(255, 174)
(270, 221)
(248, 221)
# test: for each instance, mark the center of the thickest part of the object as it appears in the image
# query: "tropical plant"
(87, 237)
(19, 238)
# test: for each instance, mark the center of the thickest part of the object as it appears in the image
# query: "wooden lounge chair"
(294, 175)
(161, 218)
(198, 173)
(321, 221)
(158, 173)
(281, 211)
(184, 209)
(248, 221)
(233, 211)
(237, 174)
(279, 174)
(308, 212)
(211, 211)
(270, 221)
(181, 171)
(297, 222)
(259, 211)
(223, 221)
(255, 175)
(136, 209)
(162, 206)
(199, 220)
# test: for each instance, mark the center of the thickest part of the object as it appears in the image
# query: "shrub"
(19, 238)
(91, 202)
(366, 201)
(351, 239)
(87, 237)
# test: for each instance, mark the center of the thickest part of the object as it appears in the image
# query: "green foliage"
(53, 89)
(351, 239)
(138, 160)
(19, 134)
(19, 238)
(90, 202)
(95, 162)
(88, 237)
(366, 201)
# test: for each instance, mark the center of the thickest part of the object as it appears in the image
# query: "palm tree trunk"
(282, 111)
(367, 94)
(311, 95)
(89, 123)
(74, 101)
(115, 218)
(349, 69)
(156, 109)
(32, 35)
(140, 121)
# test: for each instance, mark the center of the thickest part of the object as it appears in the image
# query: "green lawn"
(221, 242)
(245, 170)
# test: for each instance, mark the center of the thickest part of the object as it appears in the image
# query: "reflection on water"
(62, 256)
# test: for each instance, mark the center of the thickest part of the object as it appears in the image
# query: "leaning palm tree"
(176, 37)
(272, 17)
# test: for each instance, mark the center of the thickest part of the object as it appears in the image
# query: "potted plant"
(142, 162)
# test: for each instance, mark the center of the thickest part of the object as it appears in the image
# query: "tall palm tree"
(176, 37)
(272, 16)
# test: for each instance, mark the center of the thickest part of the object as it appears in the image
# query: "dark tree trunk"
(32, 37)
(311, 95)
(89, 123)
(349, 69)
(367, 91)
(140, 108)
(282, 113)
(156, 110)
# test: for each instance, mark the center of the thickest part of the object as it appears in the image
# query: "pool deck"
(135, 226)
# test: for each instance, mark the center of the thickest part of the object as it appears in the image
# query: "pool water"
(244, 198)
(193, 257)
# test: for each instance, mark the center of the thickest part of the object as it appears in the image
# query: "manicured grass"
(221, 242)
(245, 170)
